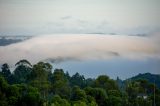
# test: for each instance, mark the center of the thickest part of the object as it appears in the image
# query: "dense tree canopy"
(40, 85)
(6, 72)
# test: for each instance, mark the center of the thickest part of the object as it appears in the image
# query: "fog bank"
(79, 47)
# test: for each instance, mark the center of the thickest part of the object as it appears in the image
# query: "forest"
(39, 85)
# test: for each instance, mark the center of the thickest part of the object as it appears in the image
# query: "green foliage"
(91, 101)
(3, 84)
(78, 80)
(106, 83)
(12, 100)
(148, 77)
(157, 98)
(31, 97)
(60, 84)
(40, 71)
(37, 85)
(114, 98)
(23, 62)
(78, 94)
(79, 103)
(89, 82)
(144, 102)
(132, 90)
(39, 77)
(6, 72)
(22, 71)
(58, 101)
(13, 90)
(98, 94)
(3, 89)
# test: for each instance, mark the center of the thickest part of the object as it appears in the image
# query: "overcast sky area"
(91, 37)
(34, 17)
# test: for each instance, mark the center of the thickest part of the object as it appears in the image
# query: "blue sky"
(123, 68)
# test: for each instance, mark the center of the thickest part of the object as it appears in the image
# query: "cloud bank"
(63, 47)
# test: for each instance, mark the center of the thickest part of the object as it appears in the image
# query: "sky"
(92, 37)
(117, 67)
(36, 17)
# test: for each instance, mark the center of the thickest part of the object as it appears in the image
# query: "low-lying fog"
(80, 48)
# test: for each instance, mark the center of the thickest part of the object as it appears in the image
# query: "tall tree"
(22, 71)
(6, 71)
(106, 83)
(60, 84)
(39, 77)
(78, 80)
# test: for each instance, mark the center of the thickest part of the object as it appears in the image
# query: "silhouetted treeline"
(37, 85)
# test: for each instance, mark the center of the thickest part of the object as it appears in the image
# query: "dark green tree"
(13, 95)
(67, 76)
(3, 89)
(6, 72)
(114, 98)
(58, 101)
(39, 77)
(106, 83)
(79, 103)
(78, 80)
(98, 94)
(132, 91)
(78, 94)
(91, 101)
(22, 71)
(60, 83)
(30, 97)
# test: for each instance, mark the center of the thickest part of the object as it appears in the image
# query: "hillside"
(147, 76)
(7, 40)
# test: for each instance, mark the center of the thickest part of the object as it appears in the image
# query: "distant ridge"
(147, 76)
(7, 40)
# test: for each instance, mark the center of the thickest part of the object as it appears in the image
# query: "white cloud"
(80, 47)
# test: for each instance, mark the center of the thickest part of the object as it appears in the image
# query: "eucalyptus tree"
(22, 71)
